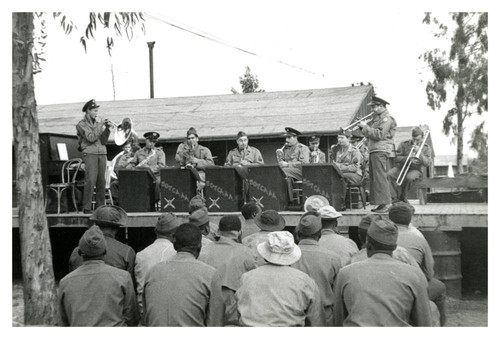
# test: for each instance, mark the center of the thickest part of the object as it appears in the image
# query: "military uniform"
(117, 255)
(380, 134)
(251, 154)
(318, 158)
(343, 247)
(202, 153)
(295, 156)
(414, 174)
(381, 291)
(349, 161)
(92, 138)
(155, 160)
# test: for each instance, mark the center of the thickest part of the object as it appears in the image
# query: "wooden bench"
(459, 182)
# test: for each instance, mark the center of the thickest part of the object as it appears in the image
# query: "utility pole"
(151, 74)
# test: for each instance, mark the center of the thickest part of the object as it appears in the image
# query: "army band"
(256, 273)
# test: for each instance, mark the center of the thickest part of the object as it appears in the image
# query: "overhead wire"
(220, 41)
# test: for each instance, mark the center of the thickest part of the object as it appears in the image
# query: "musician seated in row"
(347, 158)
(406, 150)
(316, 156)
(292, 155)
(244, 155)
(195, 157)
(147, 157)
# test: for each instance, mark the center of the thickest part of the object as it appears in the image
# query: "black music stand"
(326, 180)
(223, 189)
(267, 187)
(137, 189)
(177, 187)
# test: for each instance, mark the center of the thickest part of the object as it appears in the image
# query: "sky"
(299, 45)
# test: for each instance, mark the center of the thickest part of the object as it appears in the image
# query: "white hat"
(280, 249)
(328, 212)
(315, 202)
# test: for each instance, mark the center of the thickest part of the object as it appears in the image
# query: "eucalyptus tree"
(460, 74)
(40, 307)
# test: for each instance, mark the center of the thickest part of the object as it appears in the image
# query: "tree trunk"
(460, 141)
(40, 295)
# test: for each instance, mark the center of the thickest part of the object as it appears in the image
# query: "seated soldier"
(292, 155)
(415, 172)
(316, 156)
(347, 158)
(195, 157)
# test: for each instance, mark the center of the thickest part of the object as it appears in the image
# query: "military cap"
(152, 136)
(315, 202)
(196, 202)
(199, 217)
(92, 243)
(166, 222)
(309, 224)
(291, 132)
(269, 220)
(240, 134)
(365, 222)
(280, 249)
(416, 131)
(377, 101)
(190, 131)
(314, 140)
(89, 105)
(109, 215)
(383, 231)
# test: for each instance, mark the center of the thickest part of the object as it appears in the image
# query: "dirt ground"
(470, 311)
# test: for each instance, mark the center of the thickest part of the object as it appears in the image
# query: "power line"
(220, 41)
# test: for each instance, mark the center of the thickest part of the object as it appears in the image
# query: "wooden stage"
(442, 217)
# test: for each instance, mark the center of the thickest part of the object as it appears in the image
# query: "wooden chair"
(69, 172)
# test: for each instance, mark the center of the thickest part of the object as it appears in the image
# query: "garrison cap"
(384, 231)
(291, 132)
(166, 222)
(309, 224)
(199, 217)
(152, 136)
(240, 134)
(377, 101)
(190, 131)
(314, 140)
(89, 105)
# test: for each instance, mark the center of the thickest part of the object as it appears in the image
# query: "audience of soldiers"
(266, 278)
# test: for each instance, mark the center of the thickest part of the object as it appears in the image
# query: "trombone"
(409, 159)
(354, 125)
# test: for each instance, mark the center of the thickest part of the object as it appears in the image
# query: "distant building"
(442, 162)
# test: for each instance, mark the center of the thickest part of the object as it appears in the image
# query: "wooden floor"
(442, 216)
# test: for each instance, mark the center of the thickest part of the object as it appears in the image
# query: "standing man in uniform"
(347, 158)
(276, 294)
(109, 218)
(415, 173)
(380, 134)
(292, 155)
(150, 157)
(316, 156)
(92, 137)
(195, 157)
(97, 294)
(381, 291)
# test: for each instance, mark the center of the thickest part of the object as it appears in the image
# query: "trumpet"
(360, 143)
(409, 159)
(122, 134)
(280, 155)
(355, 124)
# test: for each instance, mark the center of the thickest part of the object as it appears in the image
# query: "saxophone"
(147, 158)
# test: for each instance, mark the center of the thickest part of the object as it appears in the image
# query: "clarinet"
(147, 158)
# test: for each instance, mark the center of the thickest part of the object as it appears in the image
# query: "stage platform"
(440, 217)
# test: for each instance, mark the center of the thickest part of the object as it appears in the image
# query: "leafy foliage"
(249, 83)
(461, 73)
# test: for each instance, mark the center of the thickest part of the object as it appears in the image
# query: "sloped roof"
(445, 160)
(263, 114)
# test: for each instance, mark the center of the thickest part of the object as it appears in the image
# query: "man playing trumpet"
(407, 150)
(316, 156)
(92, 137)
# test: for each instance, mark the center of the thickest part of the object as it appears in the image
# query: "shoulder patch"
(385, 119)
